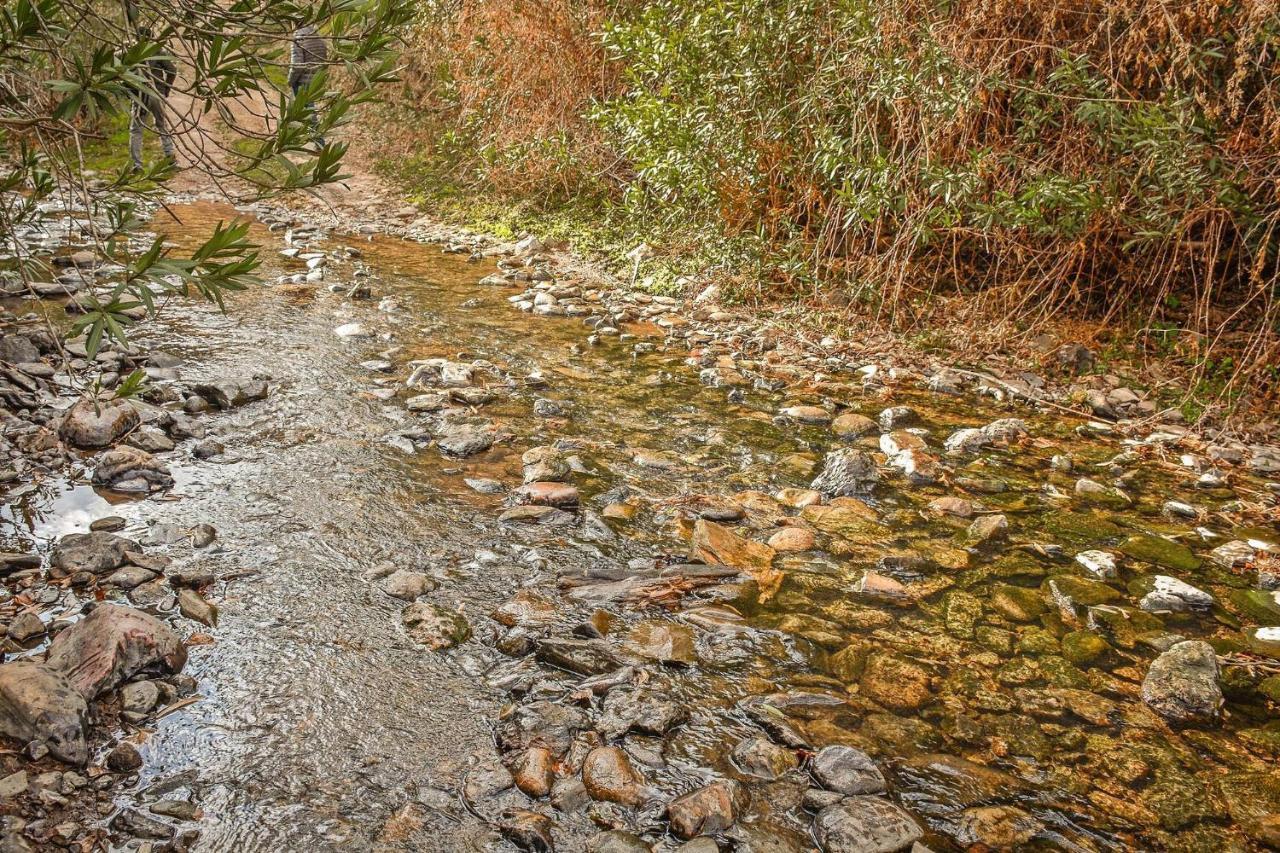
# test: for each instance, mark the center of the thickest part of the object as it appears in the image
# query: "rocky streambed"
(430, 545)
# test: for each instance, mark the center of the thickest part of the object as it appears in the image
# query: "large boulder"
(846, 472)
(38, 703)
(128, 469)
(1182, 684)
(111, 645)
(865, 825)
(96, 423)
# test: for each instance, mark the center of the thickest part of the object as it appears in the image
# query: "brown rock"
(535, 772)
(546, 493)
(608, 775)
(110, 645)
(91, 424)
(792, 539)
(38, 703)
(666, 642)
(713, 543)
(709, 810)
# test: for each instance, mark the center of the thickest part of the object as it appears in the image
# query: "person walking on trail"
(309, 52)
(151, 102)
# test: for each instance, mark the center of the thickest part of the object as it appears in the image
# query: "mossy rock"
(818, 631)
(1085, 648)
(1263, 641)
(1020, 735)
(1083, 590)
(1264, 742)
(1075, 528)
(1258, 604)
(1180, 800)
(1037, 641)
(1124, 627)
(1159, 551)
(997, 640)
(1061, 673)
(848, 663)
(960, 613)
(889, 734)
(895, 682)
(1018, 604)
(1270, 687)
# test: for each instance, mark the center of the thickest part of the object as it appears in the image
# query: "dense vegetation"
(979, 160)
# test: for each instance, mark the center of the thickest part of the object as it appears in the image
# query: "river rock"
(228, 394)
(792, 540)
(665, 642)
(764, 759)
(865, 825)
(112, 644)
(718, 545)
(846, 472)
(852, 425)
(846, 770)
(128, 469)
(1168, 594)
(124, 758)
(1100, 564)
(584, 657)
(544, 464)
(139, 697)
(812, 415)
(433, 626)
(526, 608)
(646, 712)
(91, 424)
(541, 724)
(18, 349)
(193, 606)
(895, 682)
(709, 810)
(988, 528)
(26, 626)
(617, 841)
(609, 777)
(38, 703)
(1182, 684)
(542, 493)
(1233, 555)
(463, 440)
(897, 416)
(535, 772)
(97, 552)
(528, 831)
(407, 585)
(997, 828)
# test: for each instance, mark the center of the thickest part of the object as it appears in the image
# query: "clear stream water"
(324, 727)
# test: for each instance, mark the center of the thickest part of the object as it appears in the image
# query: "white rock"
(1171, 594)
(1100, 564)
(352, 330)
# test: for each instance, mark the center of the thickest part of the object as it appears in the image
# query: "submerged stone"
(1182, 684)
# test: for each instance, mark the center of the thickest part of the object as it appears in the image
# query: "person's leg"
(162, 128)
(137, 119)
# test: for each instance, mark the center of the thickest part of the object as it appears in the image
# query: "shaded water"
(321, 719)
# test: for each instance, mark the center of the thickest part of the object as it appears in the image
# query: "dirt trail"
(204, 142)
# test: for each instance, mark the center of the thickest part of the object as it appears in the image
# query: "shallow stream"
(324, 726)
